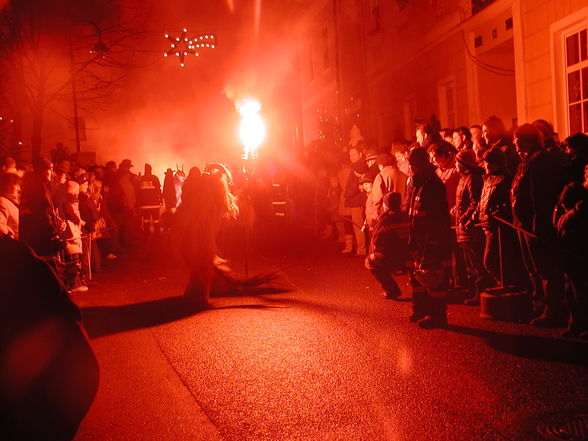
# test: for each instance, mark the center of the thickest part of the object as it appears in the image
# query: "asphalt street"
(318, 355)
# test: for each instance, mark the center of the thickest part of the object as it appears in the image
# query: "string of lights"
(183, 45)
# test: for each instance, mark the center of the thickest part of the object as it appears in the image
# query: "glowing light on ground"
(252, 128)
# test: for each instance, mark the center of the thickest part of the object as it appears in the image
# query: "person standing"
(149, 200)
(442, 155)
(39, 224)
(355, 201)
(571, 220)
(495, 135)
(389, 180)
(429, 242)
(9, 200)
(469, 235)
(533, 198)
(502, 257)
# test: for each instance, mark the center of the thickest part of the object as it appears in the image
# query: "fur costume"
(199, 219)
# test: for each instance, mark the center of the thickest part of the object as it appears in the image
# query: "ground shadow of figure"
(105, 320)
(531, 346)
(48, 372)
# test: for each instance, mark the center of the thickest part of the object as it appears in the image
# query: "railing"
(478, 5)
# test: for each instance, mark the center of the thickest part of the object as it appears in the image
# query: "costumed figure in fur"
(204, 211)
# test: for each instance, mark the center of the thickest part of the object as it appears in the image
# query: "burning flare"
(252, 127)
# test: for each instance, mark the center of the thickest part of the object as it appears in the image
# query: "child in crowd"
(73, 236)
(371, 214)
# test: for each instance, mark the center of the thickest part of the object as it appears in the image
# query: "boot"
(419, 306)
(437, 317)
(348, 244)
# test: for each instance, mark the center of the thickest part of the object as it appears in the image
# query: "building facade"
(383, 64)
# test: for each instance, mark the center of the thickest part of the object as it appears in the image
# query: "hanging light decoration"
(184, 45)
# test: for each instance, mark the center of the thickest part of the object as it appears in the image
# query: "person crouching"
(388, 251)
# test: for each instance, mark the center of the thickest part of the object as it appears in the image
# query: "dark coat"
(430, 231)
(388, 249)
(495, 200)
(512, 157)
(534, 195)
(354, 197)
(39, 224)
(148, 191)
(571, 220)
(89, 212)
(169, 192)
(467, 198)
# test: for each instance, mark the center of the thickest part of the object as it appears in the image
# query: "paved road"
(328, 360)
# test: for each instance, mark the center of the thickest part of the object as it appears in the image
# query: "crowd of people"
(75, 217)
(468, 210)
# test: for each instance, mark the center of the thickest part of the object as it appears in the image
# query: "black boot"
(419, 306)
(437, 317)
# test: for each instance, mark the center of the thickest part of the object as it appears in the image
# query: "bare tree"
(48, 47)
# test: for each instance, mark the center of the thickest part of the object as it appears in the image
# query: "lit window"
(576, 59)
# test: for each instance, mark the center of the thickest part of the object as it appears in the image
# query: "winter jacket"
(148, 192)
(467, 197)
(8, 218)
(429, 221)
(534, 195)
(38, 223)
(450, 177)
(494, 200)
(389, 180)
(73, 233)
(354, 197)
(88, 212)
(388, 249)
(571, 220)
(371, 214)
(512, 157)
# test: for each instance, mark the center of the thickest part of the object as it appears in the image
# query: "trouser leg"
(357, 216)
(389, 284)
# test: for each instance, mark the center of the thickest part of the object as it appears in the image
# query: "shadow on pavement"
(100, 321)
(531, 346)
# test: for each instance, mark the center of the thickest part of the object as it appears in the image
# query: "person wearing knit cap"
(388, 251)
(429, 242)
(371, 156)
(469, 235)
(502, 256)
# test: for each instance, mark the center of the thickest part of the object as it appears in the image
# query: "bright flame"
(252, 127)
